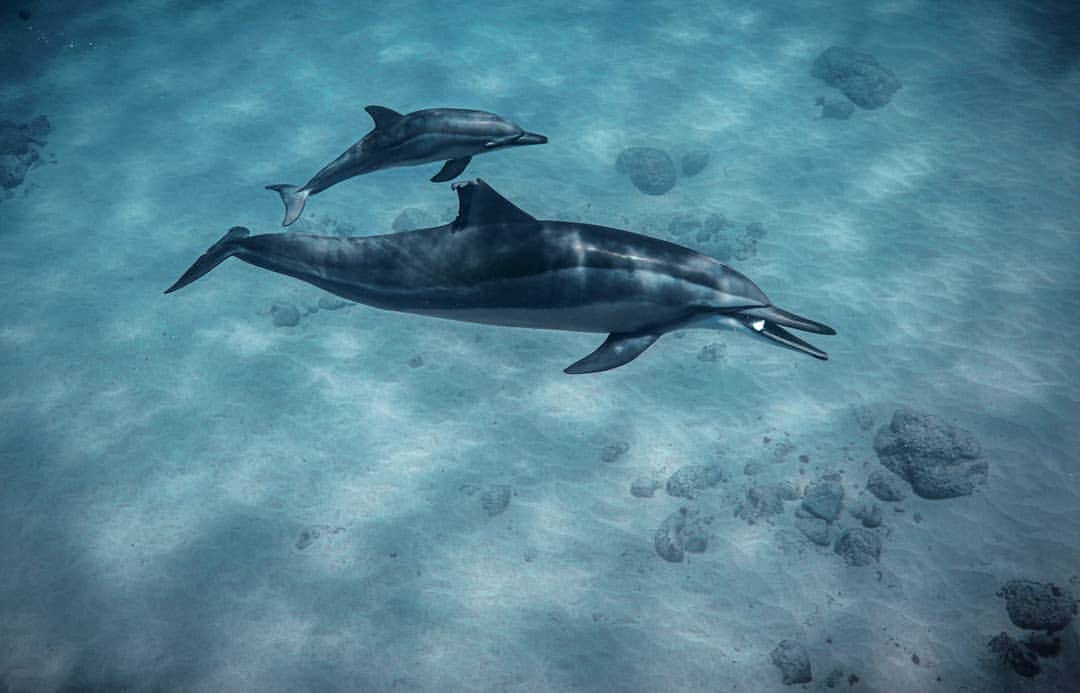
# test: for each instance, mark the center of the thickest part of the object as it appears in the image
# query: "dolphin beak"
(530, 138)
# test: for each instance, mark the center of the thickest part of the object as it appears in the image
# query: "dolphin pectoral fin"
(451, 169)
(784, 338)
(384, 117)
(500, 141)
(617, 350)
(294, 200)
(225, 248)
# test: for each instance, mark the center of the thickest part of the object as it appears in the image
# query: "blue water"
(192, 498)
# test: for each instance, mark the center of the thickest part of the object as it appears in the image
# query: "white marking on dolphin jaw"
(758, 325)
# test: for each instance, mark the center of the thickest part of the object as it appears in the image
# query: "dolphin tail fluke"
(214, 256)
(294, 198)
(617, 350)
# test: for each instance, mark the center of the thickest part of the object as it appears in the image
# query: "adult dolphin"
(454, 135)
(497, 265)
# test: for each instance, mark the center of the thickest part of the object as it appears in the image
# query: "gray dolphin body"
(497, 265)
(453, 135)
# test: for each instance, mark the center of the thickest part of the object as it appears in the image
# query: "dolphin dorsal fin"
(384, 117)
(480, 205)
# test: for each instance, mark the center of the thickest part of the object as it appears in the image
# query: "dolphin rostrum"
(496, 264)
(454, 135)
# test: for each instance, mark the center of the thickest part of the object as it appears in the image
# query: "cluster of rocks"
(285, 314)
(1034, 606)
(653, 171)
(937, 459)
(860, 77)
(323, 225)
(685, 530)
(716, 235)
(816, 517)
(20, 146)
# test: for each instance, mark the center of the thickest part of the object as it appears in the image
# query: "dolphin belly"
(578, 299)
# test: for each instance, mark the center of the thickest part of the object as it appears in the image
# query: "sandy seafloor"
(162, 456)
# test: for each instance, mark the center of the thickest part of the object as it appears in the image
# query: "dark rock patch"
(1038, 606)
(694, 162)
(684, 531)
(791, 659)
(651, 170)
(859, 75)
(19, 149)
(858, 546)
(688, 480)
(937, 459)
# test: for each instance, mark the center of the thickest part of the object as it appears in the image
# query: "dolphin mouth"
(530, 138)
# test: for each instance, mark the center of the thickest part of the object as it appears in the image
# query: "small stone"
(761, 503)
(682, 531)
(859, 75)
(614, 451)
(837, 109)
(1038, 606)
(815, 529)
(870, 515)
(651, 170)
(858, 546)
(495, 499)
(285, 315)
(835, 677)
(794, 664)
(416, 361)
(712, 352)
(331, 302)
(686, 481)
(308, 535)
(753, 468)
(644, 488)
(694, 162)
(824, 498)
(886, 486)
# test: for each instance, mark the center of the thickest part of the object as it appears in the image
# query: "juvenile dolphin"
(497, 265)
(453, 135)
